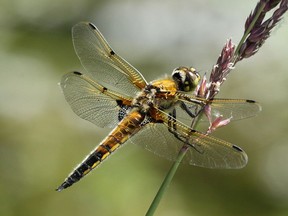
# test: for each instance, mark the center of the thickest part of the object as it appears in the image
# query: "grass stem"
(166, 181)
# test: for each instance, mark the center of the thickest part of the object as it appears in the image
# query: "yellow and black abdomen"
(127, 127)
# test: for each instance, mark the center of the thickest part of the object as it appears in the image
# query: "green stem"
(172, 171)
(166, 181)
(247, 32)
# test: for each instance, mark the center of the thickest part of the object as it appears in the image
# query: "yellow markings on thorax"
(166, 86)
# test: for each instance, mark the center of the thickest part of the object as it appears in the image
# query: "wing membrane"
(89, 100)
(236, 108)
(204, 150)
(101, 62)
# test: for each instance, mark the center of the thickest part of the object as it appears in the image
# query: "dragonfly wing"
(185, 112)
(204, 151)
(91, 101)
(211, 152)
(156, 138)
(236, 108)
(102, 63)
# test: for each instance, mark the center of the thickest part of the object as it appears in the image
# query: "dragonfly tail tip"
(59, 189)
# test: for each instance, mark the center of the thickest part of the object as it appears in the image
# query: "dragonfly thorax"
(160, 94)
(186, 78)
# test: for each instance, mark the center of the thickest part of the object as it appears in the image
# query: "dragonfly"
(155, 115)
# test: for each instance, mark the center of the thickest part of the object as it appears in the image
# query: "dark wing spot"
(92, 26)
(237, 148)
(112, 53)
(119, 102)
(77, 73)
(250, 101)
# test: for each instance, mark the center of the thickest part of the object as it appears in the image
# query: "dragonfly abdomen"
(127, 127)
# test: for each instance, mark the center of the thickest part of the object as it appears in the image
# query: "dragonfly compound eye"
(186, 78)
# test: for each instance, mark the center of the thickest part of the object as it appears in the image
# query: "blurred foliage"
(41, 139)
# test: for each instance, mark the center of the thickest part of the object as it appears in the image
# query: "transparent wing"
(236, 108)
(101, 62)
(204, 150)
(91, 101)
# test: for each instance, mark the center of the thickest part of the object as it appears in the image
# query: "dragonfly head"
(186, 78)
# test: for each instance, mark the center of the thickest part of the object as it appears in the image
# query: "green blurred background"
(41, 139)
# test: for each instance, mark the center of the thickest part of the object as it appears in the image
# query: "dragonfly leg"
(187, 110)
